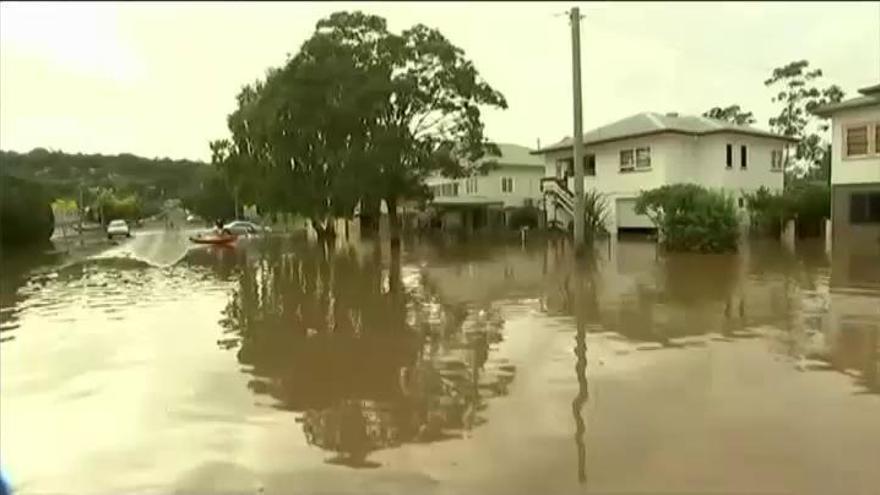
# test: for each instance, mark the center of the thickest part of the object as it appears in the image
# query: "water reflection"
(367, 354)
(374, 349)
(681, 300)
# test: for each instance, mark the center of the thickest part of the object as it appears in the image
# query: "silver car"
(118, 227)
(241, 227)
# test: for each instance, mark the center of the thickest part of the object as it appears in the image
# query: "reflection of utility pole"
(578, 148)
(582, 273)
(81, 210)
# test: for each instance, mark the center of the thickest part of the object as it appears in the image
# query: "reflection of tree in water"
(370, 363)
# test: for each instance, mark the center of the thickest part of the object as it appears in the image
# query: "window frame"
(870, 197)
(507, 181)
(470, 185)
(876, 137)
(636, 157)
(776, 160)
(586, 162)
(632, 159)
(845, 141)
(568, 164)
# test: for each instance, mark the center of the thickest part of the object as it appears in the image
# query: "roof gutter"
(667, 131)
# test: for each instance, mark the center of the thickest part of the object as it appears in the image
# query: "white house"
(649, 150)
(855, 171)
(514, 181)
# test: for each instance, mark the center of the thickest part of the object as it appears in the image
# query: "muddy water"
(278, 367)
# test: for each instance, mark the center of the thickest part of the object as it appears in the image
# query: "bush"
(595, 214)
(25, 213)
(691, 218)
(766, 211)
(526, 216)
(806, 202)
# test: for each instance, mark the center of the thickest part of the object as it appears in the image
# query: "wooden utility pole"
(578, 162)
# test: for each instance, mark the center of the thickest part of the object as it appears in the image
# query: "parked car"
(240, 227)
(118, 227)
(194, 219)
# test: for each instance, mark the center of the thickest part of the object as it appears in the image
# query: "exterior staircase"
(560, 202)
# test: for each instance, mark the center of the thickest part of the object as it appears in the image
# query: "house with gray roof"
(514, 180)
(649, 150)
(855, 176)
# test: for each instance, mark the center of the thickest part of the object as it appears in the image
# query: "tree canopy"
(799, 93)
(732, 113)
(361, 113)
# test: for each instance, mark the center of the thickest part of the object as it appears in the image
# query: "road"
(155, 246)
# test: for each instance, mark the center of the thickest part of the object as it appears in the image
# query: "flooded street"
(279, 367)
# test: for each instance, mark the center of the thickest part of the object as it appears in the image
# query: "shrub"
(766, 211)
(806, 202)
(691, 218)
(595, 214)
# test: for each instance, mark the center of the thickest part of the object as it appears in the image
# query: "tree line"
(359, 115)
(64, 174)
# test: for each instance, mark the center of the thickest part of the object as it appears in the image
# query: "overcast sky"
(159, 79)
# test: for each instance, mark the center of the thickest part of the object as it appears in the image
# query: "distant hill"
(61, 174)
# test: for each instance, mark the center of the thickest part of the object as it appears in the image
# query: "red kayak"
(214, 239)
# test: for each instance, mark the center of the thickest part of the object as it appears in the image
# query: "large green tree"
(361, 114)
(799, 92)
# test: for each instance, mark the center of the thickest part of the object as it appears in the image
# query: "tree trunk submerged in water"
(325, 230)
(393, 221)
(371, 211)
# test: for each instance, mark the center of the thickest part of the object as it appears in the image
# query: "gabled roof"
(514, 154)
(870, 96)
(648, 123)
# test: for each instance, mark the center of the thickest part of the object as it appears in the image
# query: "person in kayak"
(220, 230)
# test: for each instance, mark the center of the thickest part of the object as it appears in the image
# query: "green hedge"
(806, 202)
(691, 218)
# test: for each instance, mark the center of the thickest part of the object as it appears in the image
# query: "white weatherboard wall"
(526, 185)
(853, 170)
(676, 158)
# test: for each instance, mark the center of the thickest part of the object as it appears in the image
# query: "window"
(743, 157)
(589, 162)
(864, 207)
(856, 140)
(776, 160)
(627, 161)
(562, 168)
(729, 156)
(590, 166)
(643, 157)
(740, 202)
(507, 184)
(877, 138)
(470, 185)
(448, 189)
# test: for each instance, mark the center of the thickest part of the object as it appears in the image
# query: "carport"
(468, 214)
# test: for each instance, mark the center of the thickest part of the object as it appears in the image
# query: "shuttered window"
(856, 140)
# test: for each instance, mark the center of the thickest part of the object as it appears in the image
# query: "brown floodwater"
(282, 367)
